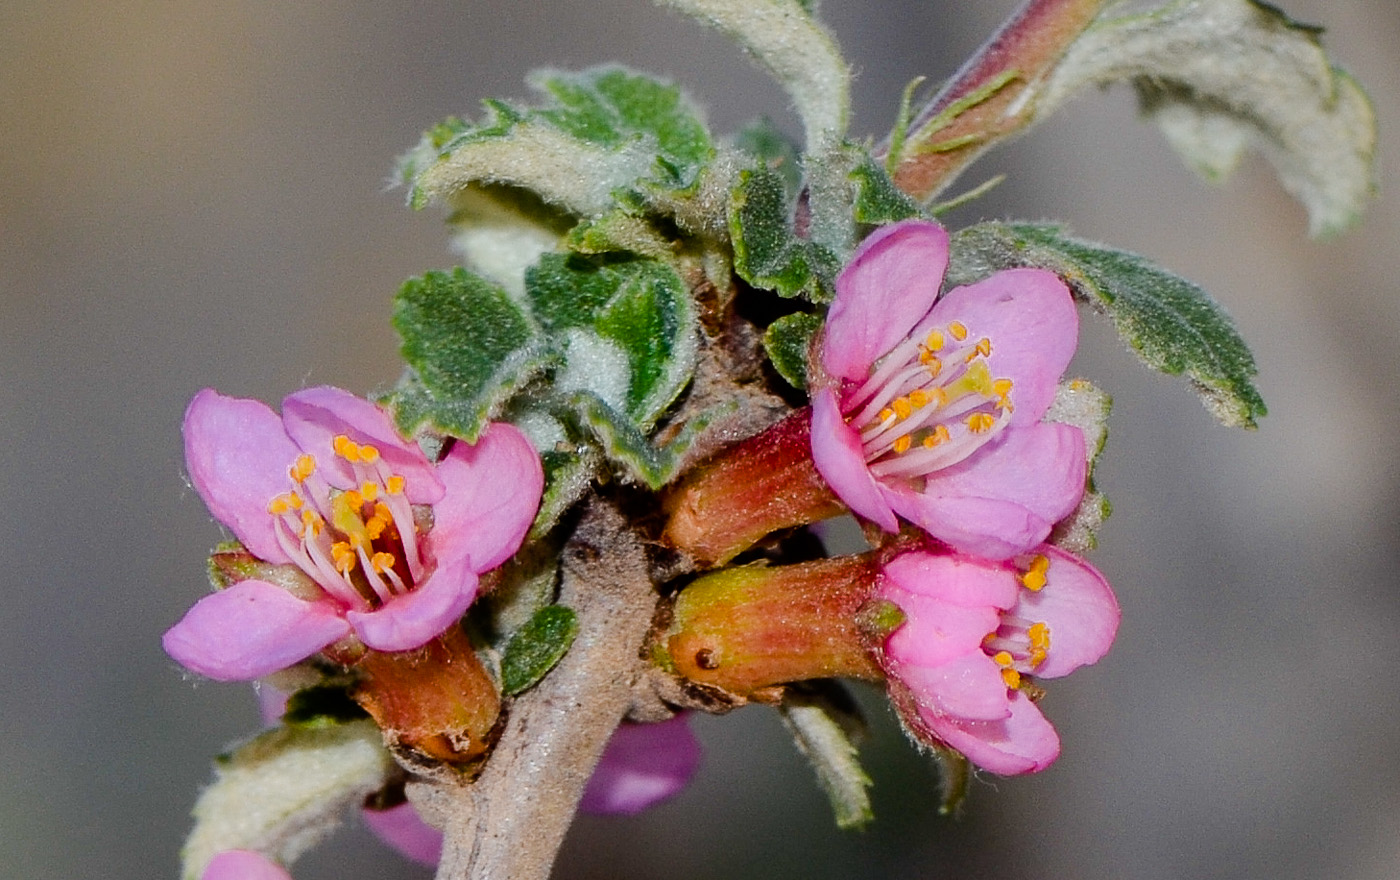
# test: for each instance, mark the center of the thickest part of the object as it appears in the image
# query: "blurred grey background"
(193, 194)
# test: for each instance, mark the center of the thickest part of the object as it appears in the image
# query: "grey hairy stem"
(510, 822)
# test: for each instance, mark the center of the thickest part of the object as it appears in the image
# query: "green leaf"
(788, 341)
(1220, 76)
(600, 131)
(536, 647)
(766, 252)
(470, 346)
(825, 723)
(634, 329)
(567, 476)
(1172, 324)
(286, 789)
(612, 106)
(878, 200)
(786, 40)
(623, 444)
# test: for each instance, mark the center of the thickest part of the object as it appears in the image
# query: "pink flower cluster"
(929, 408)
(377, 542)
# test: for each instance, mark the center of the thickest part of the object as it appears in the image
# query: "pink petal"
(1025, 742)
(888, 286)
(1005, 498)
(960, 580)
(1029, 316)
(493, 492)
(936, 632)
(415, 618)
(243, 864)
(968, 687)
(642, 765)
(250, 630)
(238, 454)
(401, 828)
(837, 453)
(314, 416)
(1080, 609)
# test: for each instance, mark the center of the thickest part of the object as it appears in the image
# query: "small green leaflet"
(1172, 324)
(600, 308)
(536, 647)
(787, 341)
(470, 346)
(766, 252)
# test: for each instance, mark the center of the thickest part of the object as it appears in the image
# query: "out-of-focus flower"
(373, 539)
(929, 408)
(974, 634)
(243, 864)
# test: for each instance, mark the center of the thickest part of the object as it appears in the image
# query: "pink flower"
(243, 864)
(975, 632)
(643, 765)
(930, 408)
(382, 543)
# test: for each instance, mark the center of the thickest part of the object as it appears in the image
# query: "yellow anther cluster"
(1008, 675)
(395, 485)
(1039, 635)
(932, 362)
(343, 556)
(1034, 578)
(311, 522)
(902, 407)
(902, 444)
(938, 435)
(958, 330)
(979, 423)
(1002, 389)
(382, 562)
(934, 341)
(303, 467)
(353, 452)
(284, 503)
(369, 491)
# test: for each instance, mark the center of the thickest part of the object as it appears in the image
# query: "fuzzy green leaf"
(825, 724)
(601, 130)
(1172, 324)
(284, 790)
(629, 326)
(621, 441)
(1220, 76)
(788, 341)
(470, 346)
(785, 38)
(766, 252)
(878, 200)
(611, 106)
(536, 647)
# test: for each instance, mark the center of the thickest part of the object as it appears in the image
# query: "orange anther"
(958, 330)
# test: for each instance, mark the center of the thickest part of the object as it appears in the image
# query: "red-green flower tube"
(747, 629)
(758, 486)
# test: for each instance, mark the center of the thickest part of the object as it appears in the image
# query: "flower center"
(1019, 645)
(359, 545)
(929, 403)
